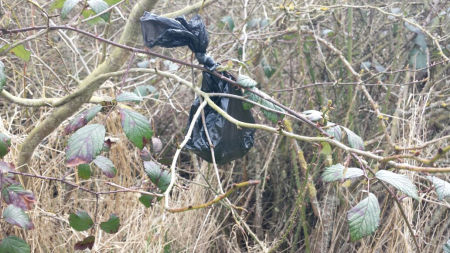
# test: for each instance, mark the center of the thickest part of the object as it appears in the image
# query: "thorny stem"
(81, 188)
(125, 189)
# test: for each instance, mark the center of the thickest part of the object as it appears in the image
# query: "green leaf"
(272, 116)
(136, 127)
(328, 33)
(364, 218)
(13, 244)
(144, 90)
(379, 68)
(146, 200)
(80, 221)
(112, 225)
(57, 4)
(16, 216)
(252, 97)
(99, 6)
(446, 247)
(253, 23)
(112, 2)
(89, 13)
(84, 171)
(334, 131)
(228, 21)
(411, 27)
(339, 172)
(442, 187)
(5, 143)
(85, 144)
(313, 115)
(366, 65)
(67, 7)
(21, 52)
(264, 22)
(82, 118)
(353, 139)
(246, 81)
(106, 166)
(401, 182)
(418, 58)
(161, 178)
(268, 70)
(326, 148)
(2, 76)
(128, 97)
(86, 243)
(421, 41)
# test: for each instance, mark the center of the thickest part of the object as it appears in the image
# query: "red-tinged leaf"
(106, 166)
(136, 127)
(5, 177)
(86, 243)
(15, 194)
(16, 216)
(6, 167)
(107, 145)
(112, 225)
(85, 144)
(5, 143)
(145, 154)
(157, 145)
(81, 119)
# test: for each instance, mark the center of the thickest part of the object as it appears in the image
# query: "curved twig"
(215, 200)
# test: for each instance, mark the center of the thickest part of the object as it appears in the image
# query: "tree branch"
(89, 84)
(38, 102)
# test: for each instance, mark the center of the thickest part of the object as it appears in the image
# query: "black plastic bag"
(229, 141)
(167, 32)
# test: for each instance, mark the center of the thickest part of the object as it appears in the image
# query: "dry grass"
(415, 114)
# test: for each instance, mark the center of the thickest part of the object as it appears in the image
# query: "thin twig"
(215, 200)
(177, 153)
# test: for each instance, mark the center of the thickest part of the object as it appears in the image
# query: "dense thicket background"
(400, 65)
